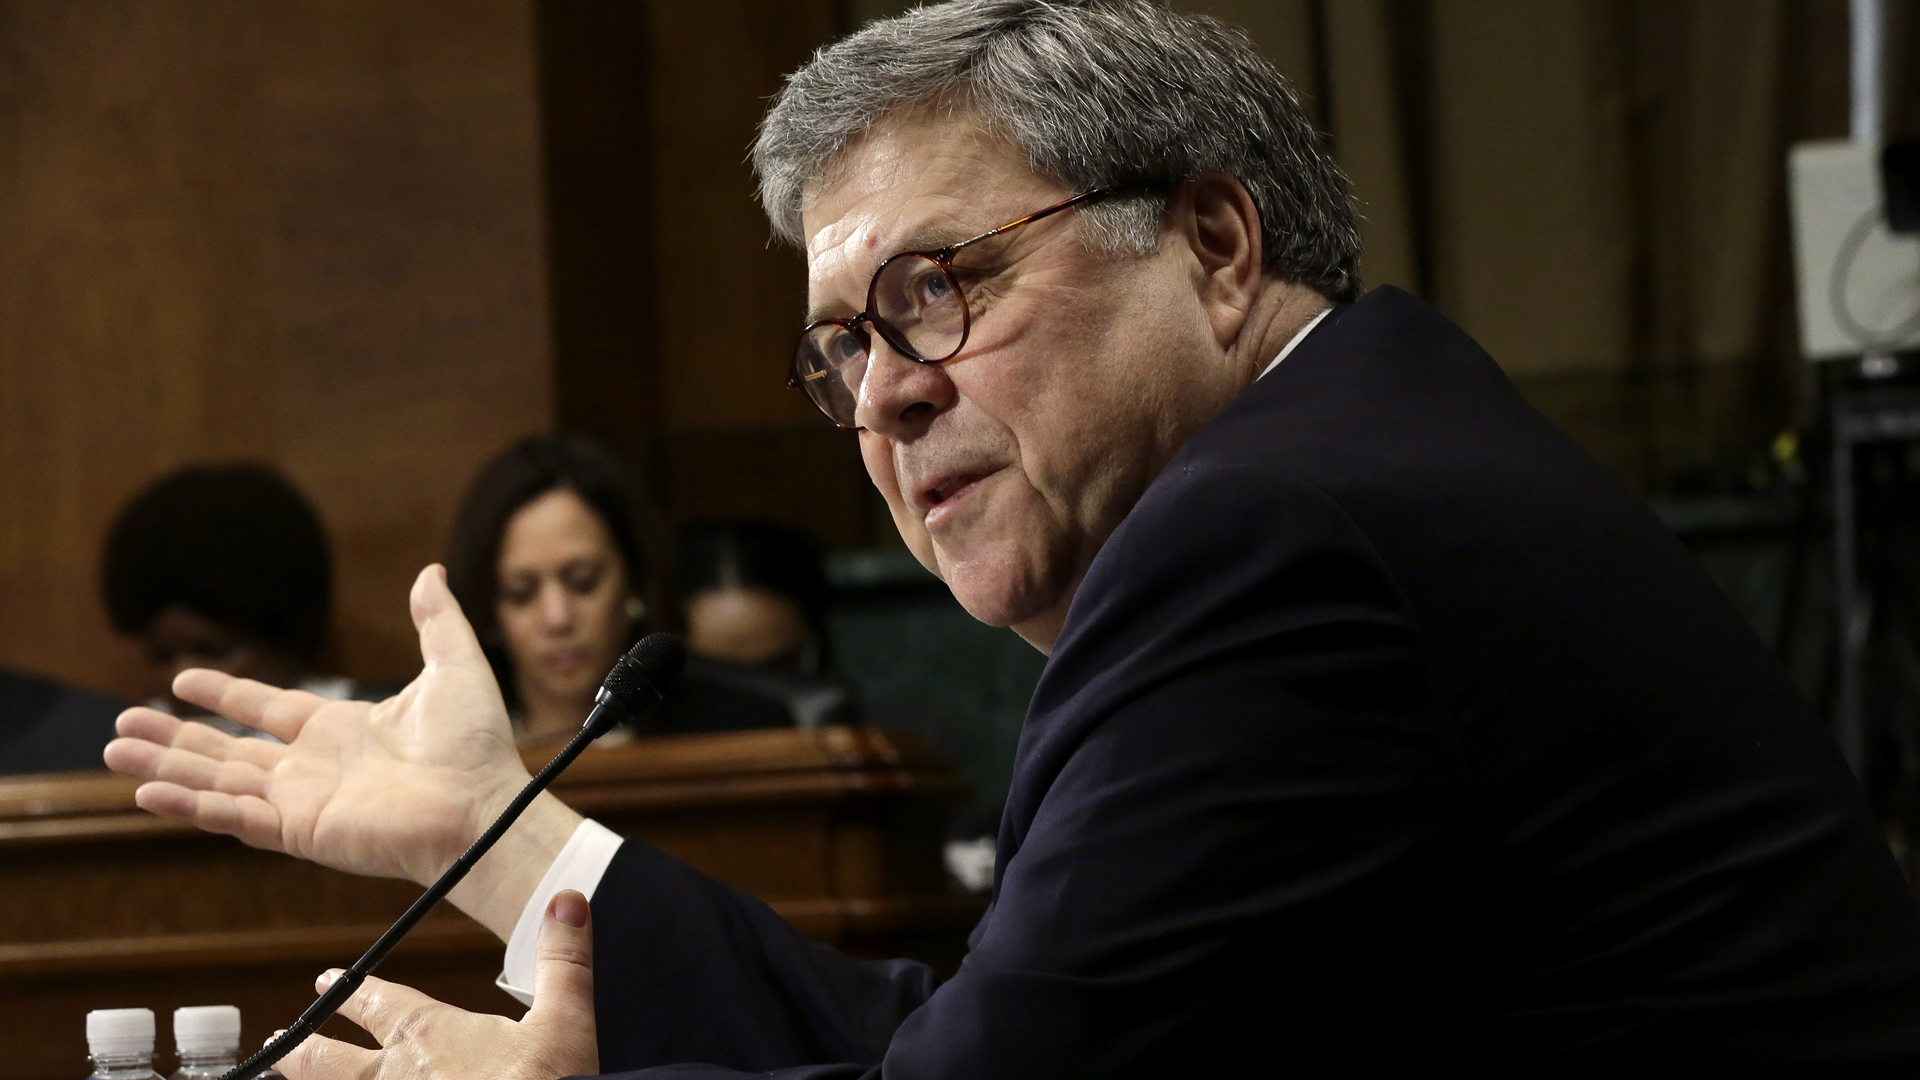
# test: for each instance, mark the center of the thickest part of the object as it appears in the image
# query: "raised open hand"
(394, 789)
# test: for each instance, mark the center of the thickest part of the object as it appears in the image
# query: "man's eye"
(931, 289)
(935, 286)
(844, 349)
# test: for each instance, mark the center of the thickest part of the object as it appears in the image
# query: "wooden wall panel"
(733, 440)
(594, 60)
(307, 232)
(730, 301)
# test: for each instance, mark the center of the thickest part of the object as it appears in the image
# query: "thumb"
(563, 985)
(445, 635)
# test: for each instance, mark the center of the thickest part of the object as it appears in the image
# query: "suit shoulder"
(1217, 538)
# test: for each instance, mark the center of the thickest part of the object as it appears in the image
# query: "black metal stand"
(1874, 607)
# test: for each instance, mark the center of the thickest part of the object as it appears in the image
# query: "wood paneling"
(314, 233)
(103, 905)
(594, 59)
(808, 475)
(730, 301)
(674, 312)
(304, 232)
(734, 441)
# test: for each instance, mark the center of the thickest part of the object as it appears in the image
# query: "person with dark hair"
(224, 567)
(556, 558)
(756, 597)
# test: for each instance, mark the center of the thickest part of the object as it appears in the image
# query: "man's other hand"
(421, 1037)
(395, 789)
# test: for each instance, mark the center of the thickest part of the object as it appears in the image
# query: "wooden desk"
(105, 906)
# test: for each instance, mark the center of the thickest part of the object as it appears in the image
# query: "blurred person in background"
(756, 598)
(224, 567)
(556, 558)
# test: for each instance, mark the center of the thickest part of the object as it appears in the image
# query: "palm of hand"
(398, 788)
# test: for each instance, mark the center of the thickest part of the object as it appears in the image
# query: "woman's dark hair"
(759, 555)
(524, 472)
(235, 543)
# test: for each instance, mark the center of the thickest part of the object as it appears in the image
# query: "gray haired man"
(1379, 727)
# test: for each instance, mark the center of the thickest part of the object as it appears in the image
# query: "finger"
(149, 761)
(201, 686)
(191, 770)
(251, 819)
(203, 739)
(381, 1007)
(321, 1058)
(152, 725)
(563, 964)
(277, 712)
(144, 733)
(446, 638)
(133, 757)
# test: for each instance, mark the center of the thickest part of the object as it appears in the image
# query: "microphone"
(641, 678)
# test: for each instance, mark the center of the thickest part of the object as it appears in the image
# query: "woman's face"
(563, 599)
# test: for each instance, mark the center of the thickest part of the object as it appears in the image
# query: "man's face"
(1006, 467)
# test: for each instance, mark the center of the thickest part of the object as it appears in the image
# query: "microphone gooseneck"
(642, 677)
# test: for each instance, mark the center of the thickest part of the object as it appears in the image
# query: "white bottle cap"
(206, 1028)
(120, 1032)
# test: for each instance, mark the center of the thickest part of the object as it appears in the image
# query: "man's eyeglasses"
(914, 302)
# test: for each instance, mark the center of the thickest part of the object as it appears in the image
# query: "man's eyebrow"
(933, 238)
(924, 238)
(815, 314)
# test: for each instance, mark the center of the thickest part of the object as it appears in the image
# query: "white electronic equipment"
(1859, 284)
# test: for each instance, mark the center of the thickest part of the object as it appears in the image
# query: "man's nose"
(900, 397)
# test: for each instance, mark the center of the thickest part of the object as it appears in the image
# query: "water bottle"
(121, 1042)
(207, 1038)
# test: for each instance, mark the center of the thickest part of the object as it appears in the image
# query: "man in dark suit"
(1380, 728)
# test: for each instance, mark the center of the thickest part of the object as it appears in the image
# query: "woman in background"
(557, 561)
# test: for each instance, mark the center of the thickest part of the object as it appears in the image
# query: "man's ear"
(1217, 220)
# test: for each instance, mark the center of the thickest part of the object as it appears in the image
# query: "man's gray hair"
(1121, 94)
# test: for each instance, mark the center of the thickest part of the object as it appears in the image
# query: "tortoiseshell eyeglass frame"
(797, 376)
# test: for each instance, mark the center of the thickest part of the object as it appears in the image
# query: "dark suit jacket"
(47, 727)
(1388, 730)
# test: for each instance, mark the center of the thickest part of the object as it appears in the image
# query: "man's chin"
(995, 593)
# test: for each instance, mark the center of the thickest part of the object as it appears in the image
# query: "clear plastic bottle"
(121, 1042)
(207, 1038)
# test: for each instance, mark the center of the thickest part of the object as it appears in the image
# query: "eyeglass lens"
(914, 303)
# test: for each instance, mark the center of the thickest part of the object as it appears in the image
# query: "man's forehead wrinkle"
(854, 245)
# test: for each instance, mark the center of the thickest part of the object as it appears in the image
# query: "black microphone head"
(662, 656)
(647, 673)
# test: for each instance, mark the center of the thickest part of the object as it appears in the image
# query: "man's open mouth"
(950, 486)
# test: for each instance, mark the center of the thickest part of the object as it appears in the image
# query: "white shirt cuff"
(580, 866)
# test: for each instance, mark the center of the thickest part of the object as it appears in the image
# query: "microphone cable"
(642, 677)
